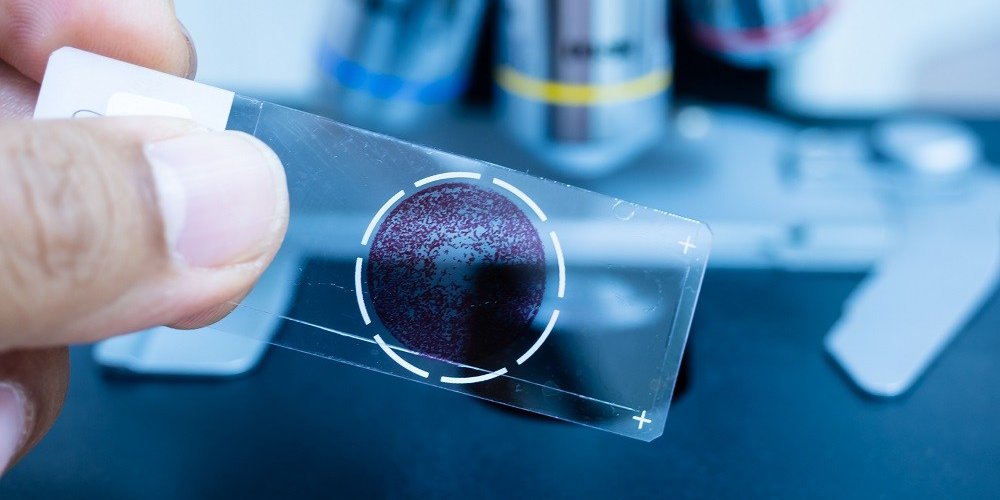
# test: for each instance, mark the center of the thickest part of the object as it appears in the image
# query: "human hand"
(111, 225)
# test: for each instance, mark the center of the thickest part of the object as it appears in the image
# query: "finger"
(32, 389)
(18, 93)
(119, 224)
(144, 32)
(210, 315)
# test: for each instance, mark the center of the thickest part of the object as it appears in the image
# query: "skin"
(76, 264)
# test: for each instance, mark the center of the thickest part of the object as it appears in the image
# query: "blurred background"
(843, 151)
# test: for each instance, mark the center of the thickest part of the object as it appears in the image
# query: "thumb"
(33, 385)
(112, 225)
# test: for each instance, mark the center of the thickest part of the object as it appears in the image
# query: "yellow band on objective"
(581, 94)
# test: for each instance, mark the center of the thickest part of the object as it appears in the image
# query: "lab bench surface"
(766, 414)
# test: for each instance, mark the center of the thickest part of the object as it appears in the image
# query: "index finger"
(144, 32)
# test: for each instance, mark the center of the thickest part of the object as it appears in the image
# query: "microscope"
(854, 168)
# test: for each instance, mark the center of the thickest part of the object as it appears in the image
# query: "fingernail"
(221, 195)
(13, 422)
(192, 53)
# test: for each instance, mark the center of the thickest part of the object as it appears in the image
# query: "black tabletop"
(766, 414)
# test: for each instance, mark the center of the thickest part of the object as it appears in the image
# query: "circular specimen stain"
(457, 272)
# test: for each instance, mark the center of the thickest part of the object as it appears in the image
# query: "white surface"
(262, 48)
(872, 57)
(922, 294)
(209, 351)
(927, 146)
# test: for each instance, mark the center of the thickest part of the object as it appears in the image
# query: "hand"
(111, 225)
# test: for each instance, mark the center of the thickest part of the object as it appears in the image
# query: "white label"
(126, 104)
(79, 83)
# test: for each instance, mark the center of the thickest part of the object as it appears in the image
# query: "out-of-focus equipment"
(755, 32)
(386, 63)
(874, 57)
(909, 200)
(945, 262)
(583, 83)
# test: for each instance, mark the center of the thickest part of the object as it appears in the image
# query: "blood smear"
(457, 272)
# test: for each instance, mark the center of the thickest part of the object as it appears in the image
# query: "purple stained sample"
(457, 272)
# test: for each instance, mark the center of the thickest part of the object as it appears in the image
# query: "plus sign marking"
(687, 245)
(642, 419)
